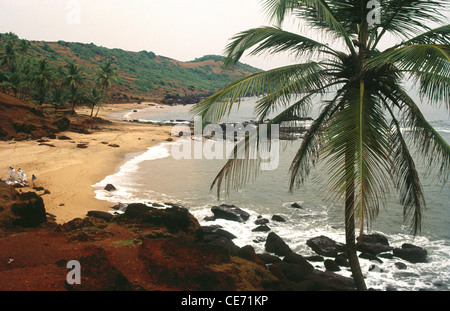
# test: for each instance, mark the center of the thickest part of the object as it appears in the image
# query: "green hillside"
(141, 75)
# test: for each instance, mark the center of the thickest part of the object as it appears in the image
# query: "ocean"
(155, 175)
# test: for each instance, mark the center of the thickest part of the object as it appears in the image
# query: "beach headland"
(68, 165)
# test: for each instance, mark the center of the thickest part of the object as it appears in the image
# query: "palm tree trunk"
(350, 228)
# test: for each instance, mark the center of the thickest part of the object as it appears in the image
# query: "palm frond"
(319, 14)
(406, 177)
(298, 78)
(405, 18)
(271, 40)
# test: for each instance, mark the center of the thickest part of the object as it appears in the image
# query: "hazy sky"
(179, 29)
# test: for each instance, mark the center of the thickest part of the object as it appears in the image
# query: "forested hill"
(141, 75)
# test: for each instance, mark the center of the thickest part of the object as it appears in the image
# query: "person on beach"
(33, 180)
(12, 172)
(24, 179)
(19, 175)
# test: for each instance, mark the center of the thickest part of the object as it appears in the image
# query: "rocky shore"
(161, 247)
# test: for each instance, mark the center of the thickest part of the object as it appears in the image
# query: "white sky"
(179, 29)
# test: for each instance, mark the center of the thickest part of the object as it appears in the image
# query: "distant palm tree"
(73, 79)
(43, 76)
(106, 76)
(357, 135)
(95, 99)
(58, 98)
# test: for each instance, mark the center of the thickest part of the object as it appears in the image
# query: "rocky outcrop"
(275, 244)
(325, 246)
(30, 210)
(230, 212)
(411, 253)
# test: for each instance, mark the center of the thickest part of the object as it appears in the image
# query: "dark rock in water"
(278, 218)
(109, 187)
(411, 253)
(370, 257)
(374, 244)
(261, 221)
(373, 248)
(298, 260)
(119, 207)
(401, 266)
(325, 246)
(100, 214)
(262, 228)
(331, 265)
(268, 258)
(230, 212)
(30, 210)
(374, 238)
(342, 260)
(275, 244)
(296, 205)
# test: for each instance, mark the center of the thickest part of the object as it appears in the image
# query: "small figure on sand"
(33, 180)
(12, 172)
(19, 175)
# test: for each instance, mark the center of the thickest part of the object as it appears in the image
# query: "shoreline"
(69, 172)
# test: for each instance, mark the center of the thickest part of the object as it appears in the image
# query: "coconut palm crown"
(357, 136)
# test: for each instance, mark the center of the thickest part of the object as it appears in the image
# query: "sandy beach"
(68, 172)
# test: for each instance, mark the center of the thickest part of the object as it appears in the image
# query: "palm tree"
(42, 77)
(95, 99)
(58, 98)
(357, 135)
(73, 79)
(106, 76)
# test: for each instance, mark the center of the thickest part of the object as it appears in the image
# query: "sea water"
(155, 176)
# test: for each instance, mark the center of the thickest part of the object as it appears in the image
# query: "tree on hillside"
(357, 135)
(95, 99)
(73, 79)
(106, 76)
(43, 76)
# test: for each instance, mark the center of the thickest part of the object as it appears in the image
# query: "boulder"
(411, 253)
(296, 205)
(109, 187)
(374, 244)
(275, 244)
(298, 260)
(278, 218)
(261, 221)
(100, 214)
(262, 228)
(325, 246)
(331, 265)
(30, 210)
(230, 212)
(175, 219)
